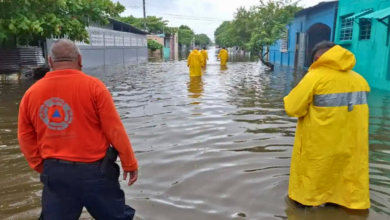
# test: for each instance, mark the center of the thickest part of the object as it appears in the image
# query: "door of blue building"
(316, 33)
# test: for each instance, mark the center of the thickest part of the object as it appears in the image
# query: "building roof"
(314, 8)
(126, 25)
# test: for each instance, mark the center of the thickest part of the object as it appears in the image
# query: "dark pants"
(70, 187)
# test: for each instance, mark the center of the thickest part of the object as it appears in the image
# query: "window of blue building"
(346, 28)
(284, 42)
(365, 29)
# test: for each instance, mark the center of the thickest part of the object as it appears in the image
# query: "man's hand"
(133, 176)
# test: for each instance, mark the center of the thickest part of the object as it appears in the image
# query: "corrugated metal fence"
(12, 59)
(108, 47)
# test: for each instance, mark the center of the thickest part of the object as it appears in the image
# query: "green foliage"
(258, 27)
(185, 37)
(159, 25)
(182, 27)
(272, 19)
(202, 40)
(154, 24)
(42, 19)
(154, 45)
(223, 35)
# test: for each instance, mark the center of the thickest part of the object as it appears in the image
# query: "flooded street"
(214, 148)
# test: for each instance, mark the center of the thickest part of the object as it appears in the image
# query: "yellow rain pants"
(329, 161)
(205, 56)
(223, 56)
(195, 63)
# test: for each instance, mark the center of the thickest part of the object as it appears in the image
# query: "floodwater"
(214, 148)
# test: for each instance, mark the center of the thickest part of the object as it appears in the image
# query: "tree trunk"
(268, 64)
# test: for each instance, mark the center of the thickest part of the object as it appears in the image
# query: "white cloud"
(203, 16)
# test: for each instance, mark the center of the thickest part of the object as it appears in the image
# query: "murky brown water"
(213, 149)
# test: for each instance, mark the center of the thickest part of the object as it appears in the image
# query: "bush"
(154, 45)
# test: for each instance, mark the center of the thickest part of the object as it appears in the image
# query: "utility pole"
(144, 15)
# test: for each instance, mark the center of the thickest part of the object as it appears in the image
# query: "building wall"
(372, 56)
(108, 47)
(325, 15)
(159, 40)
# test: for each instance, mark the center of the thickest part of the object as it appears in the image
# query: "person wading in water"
(67, 122)
(205, 56)
(195, 63)
(329, 163)
(223, 56)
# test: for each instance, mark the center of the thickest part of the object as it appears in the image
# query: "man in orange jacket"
(67, 122)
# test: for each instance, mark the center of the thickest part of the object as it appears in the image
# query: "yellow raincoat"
(195, 63)
(205, 56)
(223, 56)
(329, 162)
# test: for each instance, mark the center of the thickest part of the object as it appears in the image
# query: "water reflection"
(195, 87)
(322, 213)
(224, 67)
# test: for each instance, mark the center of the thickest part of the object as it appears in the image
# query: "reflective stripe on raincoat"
(223, 56)
(205, 56)
(329, 162)
(195, 62)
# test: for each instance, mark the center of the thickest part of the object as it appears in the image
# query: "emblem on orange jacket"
(56, 114)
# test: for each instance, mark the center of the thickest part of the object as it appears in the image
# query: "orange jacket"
(71, 116)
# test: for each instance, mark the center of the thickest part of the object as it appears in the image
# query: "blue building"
(309, 27)
(363, 28)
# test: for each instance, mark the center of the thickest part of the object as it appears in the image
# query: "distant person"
(67, 122)
(195, 63)
(223, 56)
(205, 56)
(329, 162)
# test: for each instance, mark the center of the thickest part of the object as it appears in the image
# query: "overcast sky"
(203, 16)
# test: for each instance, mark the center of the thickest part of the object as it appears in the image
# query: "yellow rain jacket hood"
(195, 62)
(223, 56)
(329, 161)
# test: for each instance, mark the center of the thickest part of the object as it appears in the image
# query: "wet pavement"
(214, 148)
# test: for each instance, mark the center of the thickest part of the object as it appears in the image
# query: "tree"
(241, 28)
(186, 35)
(271, 19)
(154, 45)
(202, 40)
(257, 28)
(41, 19)
(184, 27)
(223, 36)
(153, 24)
(159, 25)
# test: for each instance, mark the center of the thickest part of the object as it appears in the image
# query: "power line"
(188, 16)
(183, 17)
(177, 15)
